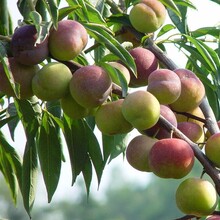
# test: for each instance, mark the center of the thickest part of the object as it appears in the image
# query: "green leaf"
(180, 22)
(116, 75)
(172, 6)
(94, 151)
(4, 19)
(10, 165)
(12, 124)
(63, 12)
(75, 136)
(29, 174)
(49, 151)
(166, 28)
(24, 9)
(29, 113)
(87, 174)
(213, 31)
(113, 146)
(209, 55)
(7, 70)
(102, 35)
(52, 8)
(87, 12)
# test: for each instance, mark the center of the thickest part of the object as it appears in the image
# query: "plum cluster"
(28, 50)
(154, 92)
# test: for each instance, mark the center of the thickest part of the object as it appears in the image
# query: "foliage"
(45, 124)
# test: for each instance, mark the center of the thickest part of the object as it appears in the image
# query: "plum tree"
(171, 158)
(57, 82)
(25, 47)
(22, 75)
(68, 40)
(147, 15)
(90, 86)
(51, 82)
(196, 197)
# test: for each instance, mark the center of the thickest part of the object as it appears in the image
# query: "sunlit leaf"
(102, 36)
(172, 6)
(165, 29)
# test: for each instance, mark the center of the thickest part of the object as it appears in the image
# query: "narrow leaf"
(172, 6)
(75, 136)
(49, 151)
(102, 36)
(29, 174)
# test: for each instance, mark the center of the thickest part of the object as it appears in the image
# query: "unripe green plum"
(51, 82)
(171, 158)
(146, 63)
(212, 149)
(147, 16)
(110, 120)
(158, 131)
(197, 197)
(165, 85)
(90, 86)
(72, 109)
(141, 109)
(123, 70)
(192, 91)
(138, 150)
(22, 75)
(24, 47)
(68, 40)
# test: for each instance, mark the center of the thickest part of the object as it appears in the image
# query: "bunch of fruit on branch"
(154, 91)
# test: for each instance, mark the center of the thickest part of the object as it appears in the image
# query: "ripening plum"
(171, 158)
(90, 86)
(192, 91)
(165, 85)
(68, 40)
(147, 16)
(138, 150)
(146, 63)
(25, 48)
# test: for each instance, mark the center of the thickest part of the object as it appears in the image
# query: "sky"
(207, 14)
